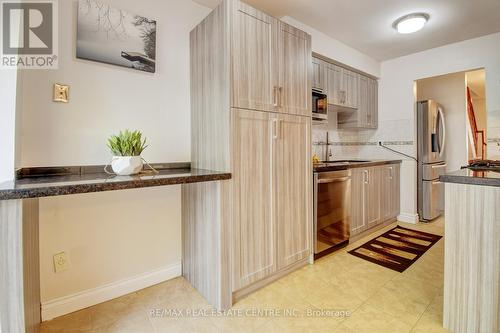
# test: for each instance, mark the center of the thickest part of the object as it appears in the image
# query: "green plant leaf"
(127, 143)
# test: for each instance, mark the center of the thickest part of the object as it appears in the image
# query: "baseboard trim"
(239, 294)
(408, 218)
(81, 300)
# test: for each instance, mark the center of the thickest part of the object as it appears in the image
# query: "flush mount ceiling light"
(411, 23)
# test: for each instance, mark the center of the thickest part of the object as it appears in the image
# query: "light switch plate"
(61, 262)
(61, 93)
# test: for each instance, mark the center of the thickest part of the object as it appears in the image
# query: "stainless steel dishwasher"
(332, 206)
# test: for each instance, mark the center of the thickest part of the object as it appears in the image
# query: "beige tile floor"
(378, 300)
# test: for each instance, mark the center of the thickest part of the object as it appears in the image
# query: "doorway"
(462, 96)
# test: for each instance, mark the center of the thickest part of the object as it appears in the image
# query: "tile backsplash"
(363, 143)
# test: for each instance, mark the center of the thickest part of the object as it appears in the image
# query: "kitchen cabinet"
(319, 75)
(372, 195)
(390, 191)
(366, 115)
(254, 78)
(342, 87)
(350, 88)
(334, 84)
(372, 104)
(271, 60)
(375, 196)
(358, 197)
(292, 188)
(294, 93)
(250, 116)
(353, 95)
(254, 228)
(272, 193)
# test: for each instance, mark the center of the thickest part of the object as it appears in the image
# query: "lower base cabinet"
(272, 194)
(375, 196)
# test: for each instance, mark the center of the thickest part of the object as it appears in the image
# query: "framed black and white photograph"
(114, 36)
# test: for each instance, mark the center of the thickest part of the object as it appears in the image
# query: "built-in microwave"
(319, 105)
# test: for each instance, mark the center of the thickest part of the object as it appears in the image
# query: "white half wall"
(116, 236)
(397, 97)
(113, 241)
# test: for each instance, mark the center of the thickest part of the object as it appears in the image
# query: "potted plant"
(127, 148)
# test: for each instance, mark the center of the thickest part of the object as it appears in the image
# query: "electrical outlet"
(61, 262)
(61, 93)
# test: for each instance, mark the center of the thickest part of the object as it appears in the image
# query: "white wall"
(118, 235)
(336, 50)
(397, 98)
(450, 91)
(8, 82)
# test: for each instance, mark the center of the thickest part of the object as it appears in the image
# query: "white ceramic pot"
(126, 165)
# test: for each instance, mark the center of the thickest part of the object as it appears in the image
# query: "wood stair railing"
(475, 131)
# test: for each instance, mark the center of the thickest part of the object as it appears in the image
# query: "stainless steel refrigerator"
(431, 137)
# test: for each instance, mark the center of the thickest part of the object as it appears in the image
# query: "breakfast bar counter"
(47, 182)
(19, 224)
(473, 177)
(472, 251)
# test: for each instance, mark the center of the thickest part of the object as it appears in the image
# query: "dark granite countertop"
(470, 177)
(65, 184)
(354, 163)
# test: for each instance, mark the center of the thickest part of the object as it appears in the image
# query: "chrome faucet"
(328, 150)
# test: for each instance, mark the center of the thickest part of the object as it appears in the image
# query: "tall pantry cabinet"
(251, 116)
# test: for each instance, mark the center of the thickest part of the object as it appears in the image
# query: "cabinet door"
(358, 197)
(363, 106)
(253, 67)
(294, 63)
(372, 190)
(334, 83)
(372, 112)
(293, 188)
(319, 75)
(396, 190)
(349, 88)
(253, 228)
(390, 190)
(387, 189)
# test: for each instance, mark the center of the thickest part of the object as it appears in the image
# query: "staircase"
(475, 131)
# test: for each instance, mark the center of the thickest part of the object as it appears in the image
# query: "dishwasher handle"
(333, 180)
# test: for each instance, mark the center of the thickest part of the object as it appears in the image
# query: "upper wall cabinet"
(294, 68)
(342, 86)
(319, 75)
(271, 63)
(349, 88)
(254, 74)
(366, 116)
(354, 95)
(334, 84)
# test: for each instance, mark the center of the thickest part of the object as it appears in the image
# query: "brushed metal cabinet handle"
(275, 129)
(333, 180)
(280, 129)
(280, 96)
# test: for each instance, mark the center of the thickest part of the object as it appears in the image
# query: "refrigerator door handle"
(443, 134)
(439, 166)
